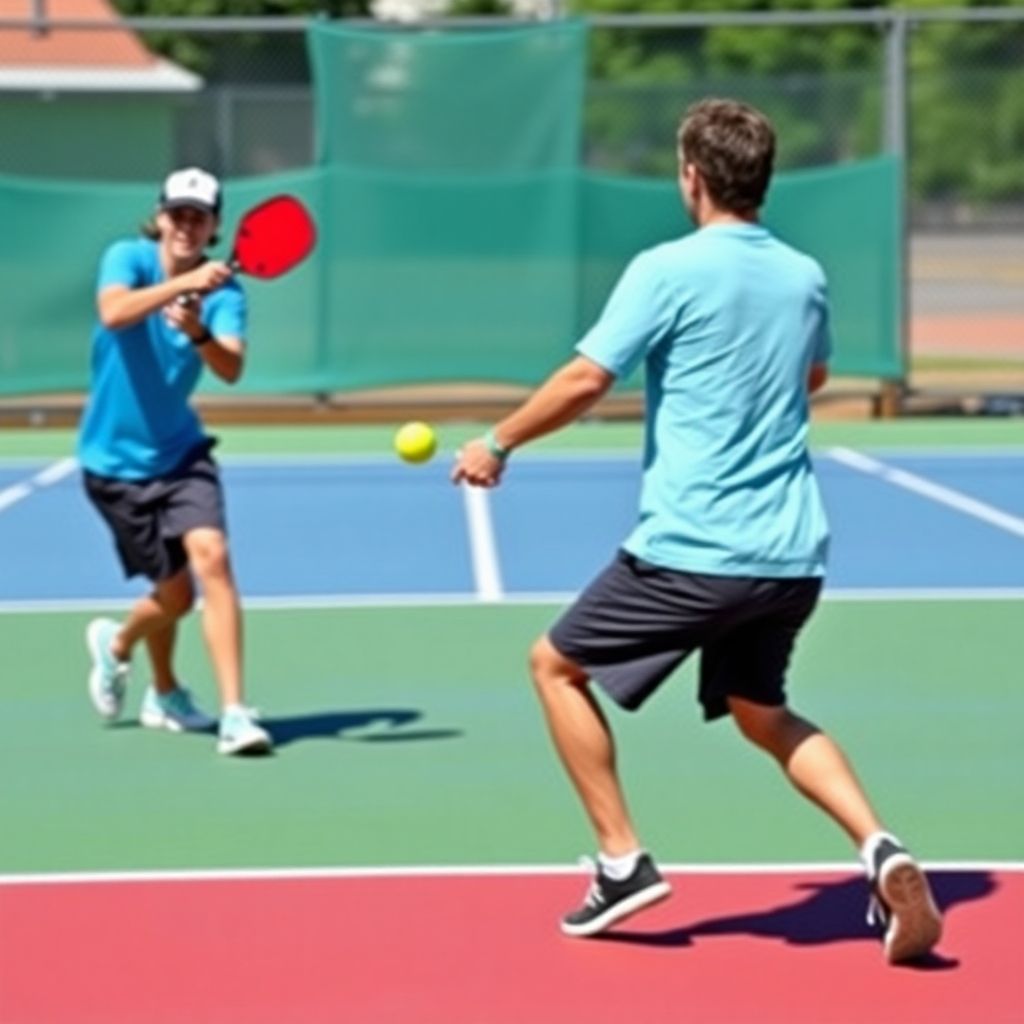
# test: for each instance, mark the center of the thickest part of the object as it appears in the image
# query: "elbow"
(233, 371)
(590, 382)
(111, 314)
(817, 378)
(111, 321)
(592, 391)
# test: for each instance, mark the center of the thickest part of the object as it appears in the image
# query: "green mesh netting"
(460, 238)
(504, 101)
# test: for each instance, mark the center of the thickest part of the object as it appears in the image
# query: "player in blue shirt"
(166, 311)
(729, 550)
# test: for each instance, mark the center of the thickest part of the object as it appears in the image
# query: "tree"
(262, 54)
(823, 86)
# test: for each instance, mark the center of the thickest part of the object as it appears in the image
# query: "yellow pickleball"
(416, 442)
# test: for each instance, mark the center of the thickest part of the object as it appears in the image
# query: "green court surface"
(409, 736)
(942, 432)
(412, 738)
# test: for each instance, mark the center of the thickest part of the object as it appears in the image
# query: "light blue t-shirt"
(728, 321)
(138, 422)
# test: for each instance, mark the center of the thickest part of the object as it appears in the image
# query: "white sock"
(867, 851)
(619, 868)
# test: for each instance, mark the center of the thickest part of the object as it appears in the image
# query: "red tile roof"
(71, 48)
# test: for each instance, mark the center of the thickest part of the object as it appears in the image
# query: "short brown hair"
(732, 145)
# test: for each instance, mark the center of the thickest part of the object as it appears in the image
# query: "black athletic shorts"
(636, 623)
(148, 518)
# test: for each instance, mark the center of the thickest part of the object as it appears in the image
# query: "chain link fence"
(943, 88)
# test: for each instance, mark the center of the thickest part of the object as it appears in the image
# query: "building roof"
(81, 59)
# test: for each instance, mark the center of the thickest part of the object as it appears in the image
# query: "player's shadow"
(831, 911)
(375, 725)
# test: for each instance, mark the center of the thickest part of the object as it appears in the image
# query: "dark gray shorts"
(636, 623)
(148, 518)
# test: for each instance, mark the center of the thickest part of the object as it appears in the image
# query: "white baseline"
(462, 871)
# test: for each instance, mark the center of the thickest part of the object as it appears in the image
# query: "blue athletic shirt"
(138, 422)
(728, 321)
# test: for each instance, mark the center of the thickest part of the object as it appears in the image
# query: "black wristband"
(202, 339)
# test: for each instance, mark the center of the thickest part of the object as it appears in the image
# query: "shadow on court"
(382, 725)
(830, 912)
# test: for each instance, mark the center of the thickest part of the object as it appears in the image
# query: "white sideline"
(460, 871)
(926, 488)
(313, 602)
(44, 478)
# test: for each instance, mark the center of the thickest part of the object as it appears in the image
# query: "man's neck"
(713, 215)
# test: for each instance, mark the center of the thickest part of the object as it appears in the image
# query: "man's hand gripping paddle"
(272, 238)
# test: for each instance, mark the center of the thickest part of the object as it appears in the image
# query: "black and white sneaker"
(609, 900)
(902, 903)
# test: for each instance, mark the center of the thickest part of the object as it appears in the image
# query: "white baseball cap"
(191, 186)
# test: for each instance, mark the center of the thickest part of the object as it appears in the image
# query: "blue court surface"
(322, 530)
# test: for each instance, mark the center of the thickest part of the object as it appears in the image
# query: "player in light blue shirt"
(727, 319)
(165, 313)
(728, 552)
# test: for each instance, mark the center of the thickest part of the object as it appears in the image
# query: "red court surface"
(484, 948)
(972, 335)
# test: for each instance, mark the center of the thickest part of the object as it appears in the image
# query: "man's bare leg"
(585, 745)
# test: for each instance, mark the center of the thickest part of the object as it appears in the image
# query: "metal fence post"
(895, 118)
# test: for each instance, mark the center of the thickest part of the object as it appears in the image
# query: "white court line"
(12, 495)
(44, 478)
(460, 871)
(365, 459)
(327, 602)
(844, 594)
(616, 455)
(936, 492)
(482, 545)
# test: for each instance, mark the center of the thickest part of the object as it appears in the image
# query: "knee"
(549, 668)
(541, 660)
(761, 724)
(208, 556)
(178, 598)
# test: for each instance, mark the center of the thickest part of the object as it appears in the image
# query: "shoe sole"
(623, 909)
(253, 745)
(97, 694)
(158, 720)
(916, 924)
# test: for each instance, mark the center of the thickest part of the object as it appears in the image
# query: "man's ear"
(690, 182)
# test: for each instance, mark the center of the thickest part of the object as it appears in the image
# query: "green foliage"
(262, 53)
(242, 8)
(823, 86)
(468, 8)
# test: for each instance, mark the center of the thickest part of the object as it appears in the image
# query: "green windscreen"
(504, 101)
(848, 217)
(449, 278)
(461, 239)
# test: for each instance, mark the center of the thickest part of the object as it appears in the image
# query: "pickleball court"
(407, 851)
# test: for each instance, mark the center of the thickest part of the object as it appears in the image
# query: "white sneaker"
(239, 733)
(108, 678)
(902, 903)
(176, 711)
